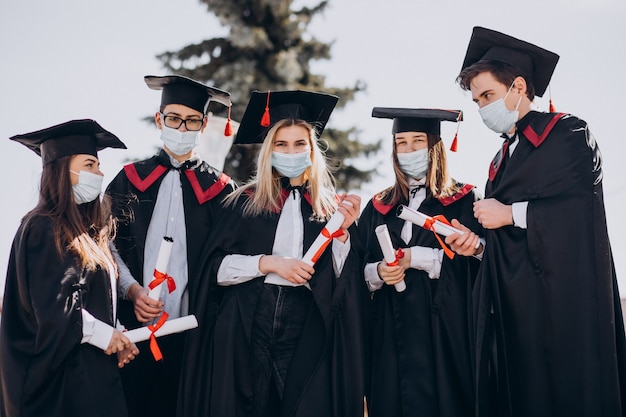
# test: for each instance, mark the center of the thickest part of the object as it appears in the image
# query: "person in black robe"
(173, 195)
(421, 337)
(547, 290)
(288, 336)
(58, 328)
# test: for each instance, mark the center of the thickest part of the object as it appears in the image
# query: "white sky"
(72, 59)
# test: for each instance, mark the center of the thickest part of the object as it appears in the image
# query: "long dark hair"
(438, 179)
(85, 229)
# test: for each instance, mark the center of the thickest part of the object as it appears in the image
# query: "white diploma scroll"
(169, 327)
(332, 226)
(420, 219)
(163, 259)
(389, 254)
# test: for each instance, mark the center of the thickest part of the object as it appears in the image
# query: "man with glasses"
(172, 197)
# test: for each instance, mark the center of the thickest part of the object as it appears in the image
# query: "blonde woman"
(288, 335)
(60, 302)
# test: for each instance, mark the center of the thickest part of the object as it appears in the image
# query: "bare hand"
(291, 269)
(405, 261)
(350, 207)
(492, 214)
(118, 343)
(390, 274)
(466, 244)
(126, 355)
(146, 309)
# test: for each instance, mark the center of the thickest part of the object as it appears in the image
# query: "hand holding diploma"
(162, 327)
(160, 270)
(329, 232)
(347, 212)
(389, 254)
(439, 225)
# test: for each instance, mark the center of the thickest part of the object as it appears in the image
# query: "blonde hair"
(267, 183)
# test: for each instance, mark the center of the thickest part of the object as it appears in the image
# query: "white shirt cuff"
(237, 269)
(519, 214)
(373, 281)
(427, 259)
(96, 332)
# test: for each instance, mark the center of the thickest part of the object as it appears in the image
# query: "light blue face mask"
(497, 117)
(88, 187)
(180, 143)
(414, 164)
(291, 165)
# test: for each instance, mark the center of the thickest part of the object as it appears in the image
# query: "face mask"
(414, 164)
(88, 187)
(291, 165)
(180, 143)
(497, 117)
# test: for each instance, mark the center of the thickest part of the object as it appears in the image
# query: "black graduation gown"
(421, 360)
(134, 192)
(325, 377)
(552, 287)
(44, 369)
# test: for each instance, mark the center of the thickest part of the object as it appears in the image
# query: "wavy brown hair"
(85, 229)
(438, 180)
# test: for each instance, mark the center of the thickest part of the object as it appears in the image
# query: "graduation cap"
(83, 136)
(191, 93)
(419, 120)
(535, 63)
(266, 108)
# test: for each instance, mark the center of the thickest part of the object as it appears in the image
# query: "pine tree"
(268, 48)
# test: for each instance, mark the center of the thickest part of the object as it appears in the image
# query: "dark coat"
(326, 374)
(44, 369)
(134, 193)
(421, 339)
(552, 288)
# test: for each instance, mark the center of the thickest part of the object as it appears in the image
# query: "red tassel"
(453, 147)
(552, 108)
(228, 129)
(265, 120)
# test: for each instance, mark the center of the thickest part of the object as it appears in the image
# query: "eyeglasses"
(176, 122)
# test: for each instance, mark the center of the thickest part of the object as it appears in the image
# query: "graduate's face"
(83, 162)
(292, 139)
(178, 112)
(486, 89)
(410, 141)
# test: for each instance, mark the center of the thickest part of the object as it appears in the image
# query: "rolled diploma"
(334, 223)
(163, 259)
(419, 218)
(384, 240)
(169, 327)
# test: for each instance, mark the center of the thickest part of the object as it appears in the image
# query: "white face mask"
(414, 164)
(291, 165)
(497, 117)
(88, 187)
(180, 143)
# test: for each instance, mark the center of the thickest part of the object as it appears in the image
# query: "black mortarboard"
(417, 120)
(535, 63)
(70, 138)
(182, 90)
(266, 108)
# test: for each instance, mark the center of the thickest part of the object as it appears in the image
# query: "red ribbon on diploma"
(328, 237)
(399, 255)
(154, 346)
(430, 225)
(159, 277)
